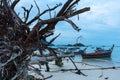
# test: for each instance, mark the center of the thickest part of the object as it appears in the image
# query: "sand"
(94, 74)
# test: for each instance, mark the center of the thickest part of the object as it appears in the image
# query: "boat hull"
(97, 55)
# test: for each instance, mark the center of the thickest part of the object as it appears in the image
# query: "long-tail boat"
(99, 53)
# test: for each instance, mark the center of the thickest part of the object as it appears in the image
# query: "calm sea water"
(115, 57)
(114, 60)
(116, 54)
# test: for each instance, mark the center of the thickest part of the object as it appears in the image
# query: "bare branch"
(39, 25)
(53, 39)
(37, 17)
(26, 13)
(64, 7)
(79, 12)
(57, 5)
(71, 7)
(13, 57)
(52, 20)
(52, 26)
(37, 7)
(73, 24)
(17, 74)
(49, 11)
(21, 41)
(75, 2)
(61, 13)
(14, 3)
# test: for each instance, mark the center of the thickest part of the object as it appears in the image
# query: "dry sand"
(99, 74)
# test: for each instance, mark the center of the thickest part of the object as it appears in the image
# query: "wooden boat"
(80, 51)
(99, 53)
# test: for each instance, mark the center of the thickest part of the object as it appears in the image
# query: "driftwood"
(18, 41)
(91, 68)
(76, 68)
(48, 58)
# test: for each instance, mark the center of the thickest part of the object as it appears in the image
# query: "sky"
(99, 26)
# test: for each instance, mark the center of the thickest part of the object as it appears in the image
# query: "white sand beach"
(93, 69)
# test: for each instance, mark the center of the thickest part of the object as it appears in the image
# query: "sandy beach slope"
(93, 69)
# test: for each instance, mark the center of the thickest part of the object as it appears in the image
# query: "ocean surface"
(114, 60)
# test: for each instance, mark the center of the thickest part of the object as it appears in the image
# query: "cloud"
(102, 12)
(101, 22)
(107, 12)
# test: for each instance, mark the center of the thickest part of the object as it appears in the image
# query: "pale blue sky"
(100, 26)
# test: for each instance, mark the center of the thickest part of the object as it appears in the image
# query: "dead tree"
(18, 41)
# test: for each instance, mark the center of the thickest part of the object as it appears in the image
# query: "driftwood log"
(18, 41)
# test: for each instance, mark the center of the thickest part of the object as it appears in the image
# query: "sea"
(114, 60)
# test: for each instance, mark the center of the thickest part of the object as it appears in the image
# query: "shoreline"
(104, 71)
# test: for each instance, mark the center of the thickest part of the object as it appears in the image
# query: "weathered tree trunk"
(17, 41)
